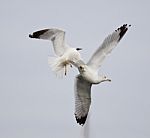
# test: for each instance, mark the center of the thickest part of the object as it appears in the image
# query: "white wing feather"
(82, 99)
(57, 37)
(106, 47)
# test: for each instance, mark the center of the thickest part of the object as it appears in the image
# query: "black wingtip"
(31, 36)
(37, 34)
(123, 29)
(81, 120)
(78, 49)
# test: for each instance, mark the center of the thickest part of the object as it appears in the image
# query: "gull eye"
(81, 67)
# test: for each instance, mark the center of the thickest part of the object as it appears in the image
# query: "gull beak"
(109, 80)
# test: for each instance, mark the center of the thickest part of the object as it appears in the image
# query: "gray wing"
(107, 46)
(82, 99)
(57, 37)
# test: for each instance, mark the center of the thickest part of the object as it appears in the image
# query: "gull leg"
(65, 70)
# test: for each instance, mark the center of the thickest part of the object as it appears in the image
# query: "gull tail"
(57, 65)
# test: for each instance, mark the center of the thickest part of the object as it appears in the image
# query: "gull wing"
(82, 99)
(77, 63)
(57, 37)
(107, 46)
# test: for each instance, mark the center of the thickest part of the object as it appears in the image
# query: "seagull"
(64, 53)
(89, 73)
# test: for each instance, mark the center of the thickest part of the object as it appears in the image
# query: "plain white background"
(36, 104)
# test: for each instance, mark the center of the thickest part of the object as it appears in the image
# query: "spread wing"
(107, 46)
(57, 37)
(82, 99)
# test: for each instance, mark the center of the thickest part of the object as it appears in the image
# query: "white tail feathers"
(57, 64)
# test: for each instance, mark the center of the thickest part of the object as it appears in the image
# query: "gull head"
(104, 78)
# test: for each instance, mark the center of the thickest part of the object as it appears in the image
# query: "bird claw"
(65, 70)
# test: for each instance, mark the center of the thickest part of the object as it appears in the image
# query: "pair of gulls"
(88, 72)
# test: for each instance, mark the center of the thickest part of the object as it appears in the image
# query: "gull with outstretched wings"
(89, 73)
(64, 53)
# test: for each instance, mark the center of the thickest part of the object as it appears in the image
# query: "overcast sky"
(36, 104)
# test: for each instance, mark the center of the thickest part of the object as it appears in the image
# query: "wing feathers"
(81, 120)
(38, 34)
(107, 46)
(57, 37)
(82, 99)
